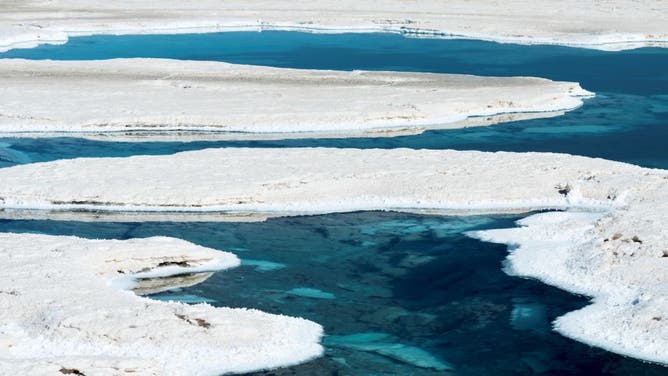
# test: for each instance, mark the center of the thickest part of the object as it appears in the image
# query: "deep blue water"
(417, 279)
(640, 71)
(628, 121)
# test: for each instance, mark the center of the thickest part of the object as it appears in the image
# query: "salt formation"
(610, 244)
(609, 25)
(64, 313)
(153, 97)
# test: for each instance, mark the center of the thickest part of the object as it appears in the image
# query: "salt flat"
(117, 97)
(318, 180)
(64, 312)
(609, 245)
(609, 24)
(66, 308)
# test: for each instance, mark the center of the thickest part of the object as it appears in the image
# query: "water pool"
(384, 281)
(627, 121)
(379, 281)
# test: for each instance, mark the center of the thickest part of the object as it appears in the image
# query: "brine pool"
(398, 294)
(627, 121)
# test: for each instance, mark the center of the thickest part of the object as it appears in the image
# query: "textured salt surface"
(62, 311)
(291, 181)
(613, 25)
(155, 96)
(618, 258)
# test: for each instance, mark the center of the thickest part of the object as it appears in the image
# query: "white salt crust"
(605, 25)
(155, 98)
(63, 311)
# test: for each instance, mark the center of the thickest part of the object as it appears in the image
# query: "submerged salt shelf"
(64, 311)
(166, 96)
(465, 309)
(610, 25)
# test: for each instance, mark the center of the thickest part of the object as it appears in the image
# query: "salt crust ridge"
(605, 25)
(317, 180)
(61, 311)
(612, 250)
(117, 97)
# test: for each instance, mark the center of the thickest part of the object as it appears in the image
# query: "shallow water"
(382, 282)
(628, 121)
(396, 292)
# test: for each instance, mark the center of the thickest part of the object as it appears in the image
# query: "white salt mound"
(61, 313)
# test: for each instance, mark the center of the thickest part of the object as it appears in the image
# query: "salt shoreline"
(578, 252)
(600, 257)
(117, 97)
(610, 25)
(65, 309)
(616, 249)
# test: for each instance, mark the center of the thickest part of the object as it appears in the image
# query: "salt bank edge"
(614, 252)
(610, 25)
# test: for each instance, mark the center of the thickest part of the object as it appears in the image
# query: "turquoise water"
(639, 71)
(385, 282)
(628, 121)
(395, 292)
